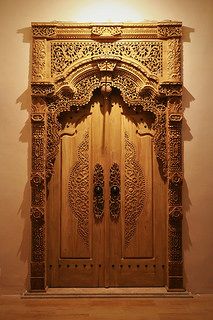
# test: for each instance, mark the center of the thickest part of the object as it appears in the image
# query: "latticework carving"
(69, 62)
(64, 54)
(78, 190)
(135, 190)
(115, 196)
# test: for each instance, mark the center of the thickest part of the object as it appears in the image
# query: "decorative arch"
(69, 62)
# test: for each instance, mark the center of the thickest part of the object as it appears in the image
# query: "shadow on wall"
(25, 137)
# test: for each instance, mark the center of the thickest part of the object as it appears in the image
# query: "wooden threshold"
(159, 292)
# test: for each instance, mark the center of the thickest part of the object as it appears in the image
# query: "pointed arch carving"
(69, 62)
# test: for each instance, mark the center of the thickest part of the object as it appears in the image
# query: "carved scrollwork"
(174, 60)
(43, 31)
(169, 31)
(106, 31)
(170, 89)
(38, 60)
(42, 89)
(115, 196)
(135, 190)
(78, 190)
(148, 54)
(98, 192)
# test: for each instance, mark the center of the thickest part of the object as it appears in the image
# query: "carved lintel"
(42, 89)
(106, 31)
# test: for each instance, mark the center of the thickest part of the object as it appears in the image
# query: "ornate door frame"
(70, 61)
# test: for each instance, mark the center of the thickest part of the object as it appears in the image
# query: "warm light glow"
(108, 11)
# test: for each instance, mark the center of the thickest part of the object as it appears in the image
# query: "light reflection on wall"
(108, 11)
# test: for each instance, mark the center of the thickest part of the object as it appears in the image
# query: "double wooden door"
(106, 202)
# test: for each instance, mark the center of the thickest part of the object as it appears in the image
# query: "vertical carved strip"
(135, 190)
(39, 60)
(98, 192)
(78, 190)
(174, 60)
(115, 196)
(38, 196)
(175, 263)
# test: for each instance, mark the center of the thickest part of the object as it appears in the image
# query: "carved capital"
(170, 89)
(42, 89)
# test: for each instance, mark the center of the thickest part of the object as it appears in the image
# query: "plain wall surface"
(15, 133)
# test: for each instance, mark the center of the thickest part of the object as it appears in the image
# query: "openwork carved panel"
(142, 62)
(135, 190)
(78, 190)
(115, 196)
(98, 192)
(65, 54)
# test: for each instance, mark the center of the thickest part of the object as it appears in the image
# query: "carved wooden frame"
(69, 61)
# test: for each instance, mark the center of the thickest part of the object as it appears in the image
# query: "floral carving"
(43, 31)
(174, 60)
(148, 54)
(169, 31)
(106, 31)
(78, 190)
(135, 190)
(42, 89)
(38, 60)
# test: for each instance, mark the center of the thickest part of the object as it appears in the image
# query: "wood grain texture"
(198, 308)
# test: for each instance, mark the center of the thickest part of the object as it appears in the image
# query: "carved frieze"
(43, 31)
(65, 54)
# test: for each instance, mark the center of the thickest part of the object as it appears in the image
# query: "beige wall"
(16, 17)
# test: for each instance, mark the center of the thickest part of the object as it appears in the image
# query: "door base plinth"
(158, 292)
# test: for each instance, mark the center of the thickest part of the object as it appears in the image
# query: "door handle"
(98, 192)
(115, 194)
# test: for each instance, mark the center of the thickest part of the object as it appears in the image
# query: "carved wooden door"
(106, 205)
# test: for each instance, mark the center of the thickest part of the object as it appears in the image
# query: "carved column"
(175, 177)
(38, 195)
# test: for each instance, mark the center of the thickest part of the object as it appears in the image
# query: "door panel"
(108, 216)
